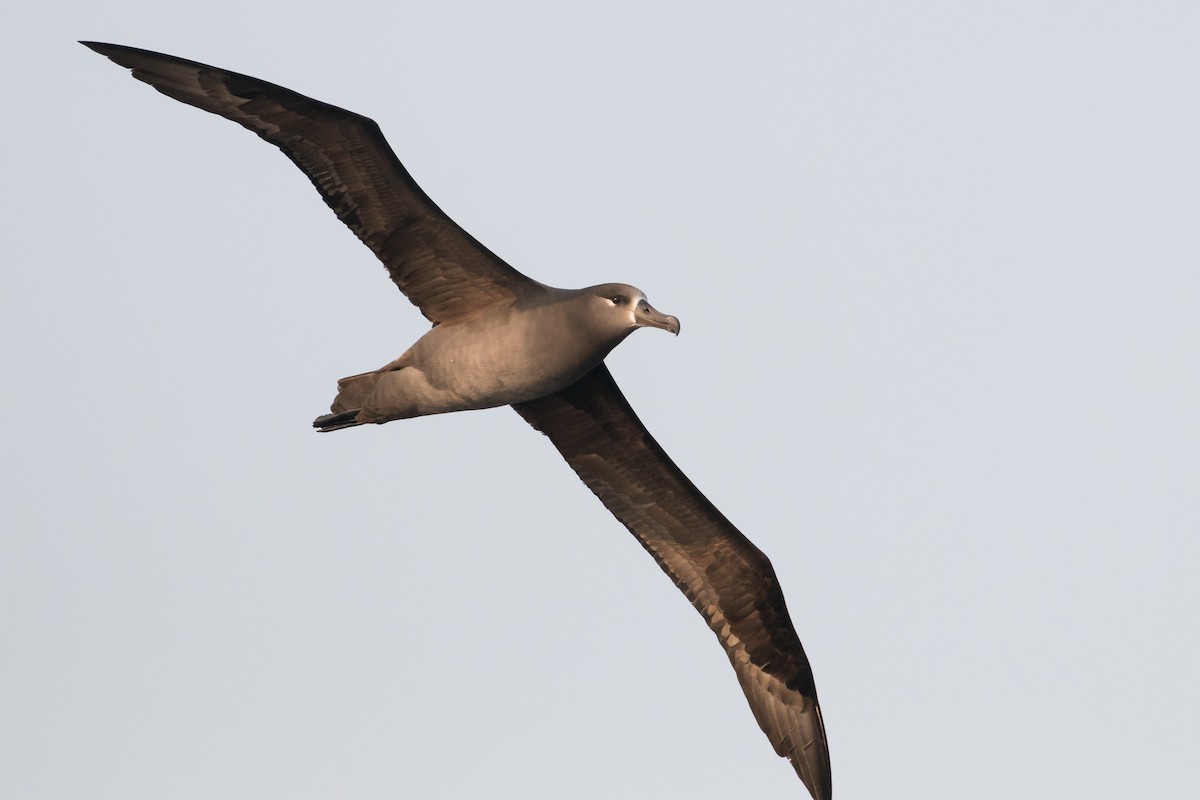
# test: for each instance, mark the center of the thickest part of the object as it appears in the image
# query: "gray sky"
(937, 270)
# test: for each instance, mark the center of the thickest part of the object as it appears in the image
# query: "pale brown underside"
(451, 277)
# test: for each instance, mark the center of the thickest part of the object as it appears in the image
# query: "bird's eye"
(618, 300)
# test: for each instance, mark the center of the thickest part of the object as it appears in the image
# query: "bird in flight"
(500, 338)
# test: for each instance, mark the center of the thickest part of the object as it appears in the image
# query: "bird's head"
(623, 308)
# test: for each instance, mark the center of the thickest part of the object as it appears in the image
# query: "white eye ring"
(617, 300)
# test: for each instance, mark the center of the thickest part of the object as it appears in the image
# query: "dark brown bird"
(500, 338)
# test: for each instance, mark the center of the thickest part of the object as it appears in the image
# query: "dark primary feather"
(439, 266)
(728, 579)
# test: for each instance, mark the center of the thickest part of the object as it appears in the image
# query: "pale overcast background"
(938, 268)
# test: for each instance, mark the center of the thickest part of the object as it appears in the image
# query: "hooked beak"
(647, 317)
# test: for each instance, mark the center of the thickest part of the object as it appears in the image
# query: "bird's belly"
(468, 372)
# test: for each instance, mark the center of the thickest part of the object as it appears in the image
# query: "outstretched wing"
(439, 266)
(728, 579)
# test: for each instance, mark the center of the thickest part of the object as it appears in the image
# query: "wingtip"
(813, 768)
(109, 51)
(812, 762)
(116, 52)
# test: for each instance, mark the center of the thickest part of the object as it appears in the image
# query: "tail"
(354, 394)
(335, 422)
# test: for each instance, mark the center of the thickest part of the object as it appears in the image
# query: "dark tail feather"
(335, 422)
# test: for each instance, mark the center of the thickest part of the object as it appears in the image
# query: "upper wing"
(728, 579)
(438, 265)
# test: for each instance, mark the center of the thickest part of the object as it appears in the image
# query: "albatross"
(500, 338)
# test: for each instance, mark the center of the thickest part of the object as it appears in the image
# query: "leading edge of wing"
(442, 269)
(729, 580)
